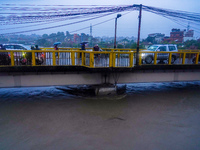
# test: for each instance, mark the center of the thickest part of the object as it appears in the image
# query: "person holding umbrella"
(56, 46)
(83, 45)
(82, 48)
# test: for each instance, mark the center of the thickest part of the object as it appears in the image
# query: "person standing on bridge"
(56, 48)
(96, 48)
(82, 49)
(96, 56)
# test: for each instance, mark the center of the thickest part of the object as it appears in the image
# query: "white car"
(15, 47)
(149, 57)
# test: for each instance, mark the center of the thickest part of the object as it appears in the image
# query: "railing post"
(78, 56)
(73, 58)
(170, 58)
(183, 62)
(33, 58)
(197, 58)
(118, 58)
(91, 59)
(83, 58)
(131, 59)
(110, 59)
(12, 59)
(155, 59)
(54, 58)
(113, 60)
(140, 58)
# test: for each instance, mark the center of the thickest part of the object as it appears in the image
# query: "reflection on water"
(146, 116)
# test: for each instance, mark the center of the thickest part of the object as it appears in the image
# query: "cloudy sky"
(127, 24)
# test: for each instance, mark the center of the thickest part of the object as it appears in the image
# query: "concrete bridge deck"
(28, 76)
(75, 67)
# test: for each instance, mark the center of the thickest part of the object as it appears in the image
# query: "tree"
(53, 37)
(43, 42)
(120, 46)
(150, 39)
(45, 36)
(60, 36)
(3, 40)
(134, 46)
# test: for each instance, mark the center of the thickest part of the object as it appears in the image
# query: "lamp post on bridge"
(118, 15)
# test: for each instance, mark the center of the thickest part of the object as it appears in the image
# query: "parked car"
(149, 57)
(23, 58)
(4, 56)
(15, 47)
(20, 57)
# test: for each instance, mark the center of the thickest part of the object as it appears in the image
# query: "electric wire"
(48, 21)
(49, 13)
(56, 25)
(88, 26)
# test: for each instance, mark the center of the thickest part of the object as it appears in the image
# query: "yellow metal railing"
(92, 59)
(182, 56)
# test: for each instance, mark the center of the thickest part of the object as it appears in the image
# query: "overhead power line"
(57, 25)
(12, 14)
(87, 26)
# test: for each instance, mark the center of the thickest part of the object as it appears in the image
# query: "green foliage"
(134, 46)
(128, 45)
(3, 40)
(45, 36)
(191, 44)
(120, 46)
(43, 42)
(150, 39)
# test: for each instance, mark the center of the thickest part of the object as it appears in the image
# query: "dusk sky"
(127, 24)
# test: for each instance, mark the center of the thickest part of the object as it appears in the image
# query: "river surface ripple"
(148, 116)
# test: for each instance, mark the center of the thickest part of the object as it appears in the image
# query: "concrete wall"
(27, 80)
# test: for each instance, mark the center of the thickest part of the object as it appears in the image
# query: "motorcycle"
(39, 60)
(27, 59)
(194, 59)
(4, 59)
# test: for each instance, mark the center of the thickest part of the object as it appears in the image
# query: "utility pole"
(188, 27)
(138, 40)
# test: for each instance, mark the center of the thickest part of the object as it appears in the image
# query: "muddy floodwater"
(148, 116)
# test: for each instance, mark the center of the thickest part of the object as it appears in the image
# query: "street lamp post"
(118, 15)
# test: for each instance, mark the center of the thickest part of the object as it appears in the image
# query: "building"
(180, 36)
(156, 37)
(76, 38)
(84, 37)
(177, 35)
(189, 35)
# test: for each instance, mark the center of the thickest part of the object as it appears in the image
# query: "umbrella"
(57, 43)
(83, 43)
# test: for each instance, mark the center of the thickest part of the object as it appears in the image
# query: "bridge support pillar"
(105, 89)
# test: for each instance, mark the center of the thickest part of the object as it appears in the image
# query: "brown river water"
(148, 116)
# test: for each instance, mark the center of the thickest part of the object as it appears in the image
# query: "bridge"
(72, 66)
